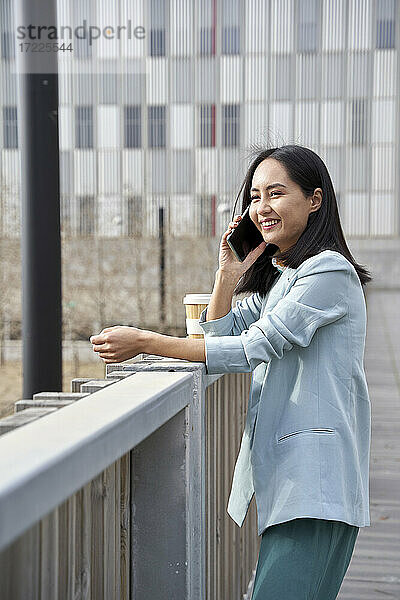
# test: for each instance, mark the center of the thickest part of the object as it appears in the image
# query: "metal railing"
(123, 493)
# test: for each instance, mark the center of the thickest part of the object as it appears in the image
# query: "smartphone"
(245, 237)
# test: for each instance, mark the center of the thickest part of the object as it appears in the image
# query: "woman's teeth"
(269, 224)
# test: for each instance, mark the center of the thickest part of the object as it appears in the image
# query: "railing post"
(158, 513)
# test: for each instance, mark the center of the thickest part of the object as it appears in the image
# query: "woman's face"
(275, 196)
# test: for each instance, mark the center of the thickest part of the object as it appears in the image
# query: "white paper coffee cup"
(194, 305)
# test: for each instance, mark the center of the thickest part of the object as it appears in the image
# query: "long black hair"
(323, 230)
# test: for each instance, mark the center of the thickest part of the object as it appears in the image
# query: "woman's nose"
(264, 209)
(263, 204)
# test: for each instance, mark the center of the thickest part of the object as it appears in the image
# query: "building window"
(230, 125)
(385, 24)
(156, 126)
(359, 119)
(207, 125)
(307, 32)
(230, 26)
(230, 40)
(135, 216)
(157, 42)
(206, 26)
(157, 27)
(132, 126)
(87, 215)
(207, 40)
(84, 126)
(10, 127)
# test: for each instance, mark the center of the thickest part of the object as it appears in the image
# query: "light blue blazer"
(305, 448)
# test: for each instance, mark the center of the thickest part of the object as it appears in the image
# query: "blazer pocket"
(327, 430)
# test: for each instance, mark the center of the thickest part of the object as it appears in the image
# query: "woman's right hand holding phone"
(228, 263)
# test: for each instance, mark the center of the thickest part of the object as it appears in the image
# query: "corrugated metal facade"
(167, 120)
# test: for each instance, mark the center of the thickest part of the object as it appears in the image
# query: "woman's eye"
(257, 197)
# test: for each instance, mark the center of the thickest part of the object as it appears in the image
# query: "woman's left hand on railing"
(118, 343)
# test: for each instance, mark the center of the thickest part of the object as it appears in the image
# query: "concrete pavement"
(374, 570)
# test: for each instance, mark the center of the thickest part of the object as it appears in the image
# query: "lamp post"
(40, 203)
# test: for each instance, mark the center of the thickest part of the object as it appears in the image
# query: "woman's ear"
(316, 199)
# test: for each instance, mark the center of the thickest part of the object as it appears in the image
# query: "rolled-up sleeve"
(316, 298)
(236, 320)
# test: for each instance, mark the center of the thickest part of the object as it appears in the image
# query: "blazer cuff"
(221, 326)
(225, 355)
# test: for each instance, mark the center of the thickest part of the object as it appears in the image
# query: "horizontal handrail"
(44, 462)
(161, 363)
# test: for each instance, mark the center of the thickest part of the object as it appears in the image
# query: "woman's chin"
(269, 236)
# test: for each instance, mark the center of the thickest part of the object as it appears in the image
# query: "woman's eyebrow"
(254, 189)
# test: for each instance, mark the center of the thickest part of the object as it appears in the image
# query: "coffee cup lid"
(197, 299)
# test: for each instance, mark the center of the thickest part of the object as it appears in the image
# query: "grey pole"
(40, 200)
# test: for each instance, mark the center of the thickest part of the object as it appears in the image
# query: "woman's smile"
(268, 227)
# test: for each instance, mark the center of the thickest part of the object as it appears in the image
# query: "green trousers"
(303, 559)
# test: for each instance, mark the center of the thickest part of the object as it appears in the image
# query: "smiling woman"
(301, 333)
